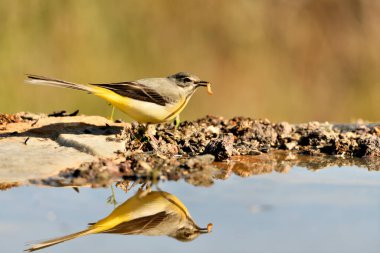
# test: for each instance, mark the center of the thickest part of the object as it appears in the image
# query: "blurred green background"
(296, 60)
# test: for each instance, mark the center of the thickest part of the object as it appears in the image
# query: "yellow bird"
(150, 100)
(149, 213)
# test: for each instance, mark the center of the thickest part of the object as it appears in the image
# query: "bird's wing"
(136, 90)
(139, 225)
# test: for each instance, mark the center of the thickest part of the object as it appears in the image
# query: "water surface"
(331, 210)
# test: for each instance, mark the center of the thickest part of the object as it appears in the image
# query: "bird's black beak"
(201, 83)
(203, 230)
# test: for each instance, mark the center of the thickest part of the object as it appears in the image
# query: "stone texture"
(96, 145)
(37, 146)
(39, 157)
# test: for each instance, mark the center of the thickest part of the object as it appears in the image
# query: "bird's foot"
(177, 121)
(143, 192)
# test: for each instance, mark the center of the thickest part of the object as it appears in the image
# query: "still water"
(331, 210)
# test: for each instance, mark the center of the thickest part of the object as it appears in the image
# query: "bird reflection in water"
(149, 213)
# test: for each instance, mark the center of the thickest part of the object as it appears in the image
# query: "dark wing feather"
(137, 226)
(136, 91)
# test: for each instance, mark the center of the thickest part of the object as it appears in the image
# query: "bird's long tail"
(55, 241)
(41, 80)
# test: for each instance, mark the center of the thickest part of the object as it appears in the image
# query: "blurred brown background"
(282, 60)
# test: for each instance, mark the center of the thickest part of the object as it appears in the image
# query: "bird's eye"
(187, 80)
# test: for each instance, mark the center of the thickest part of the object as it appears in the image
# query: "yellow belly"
(142, 112)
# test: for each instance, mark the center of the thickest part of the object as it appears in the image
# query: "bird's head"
(188, 82)
(189, 231)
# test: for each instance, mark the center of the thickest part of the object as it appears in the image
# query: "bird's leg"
(112, 113)
(148, 187)
(177, 121)
(112, 199)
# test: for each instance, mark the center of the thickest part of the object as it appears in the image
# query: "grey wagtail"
(150, 100)
(149, 213)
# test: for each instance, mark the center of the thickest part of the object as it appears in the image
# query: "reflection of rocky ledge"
(92, 150)
(199, 171)
(284, 161)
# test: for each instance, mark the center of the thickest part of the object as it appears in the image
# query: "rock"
(35, 159)
(93, 150)
(96, 145)
(37, 146)
(9, 118)
(369, 147)
(221, 149)
(291, 145)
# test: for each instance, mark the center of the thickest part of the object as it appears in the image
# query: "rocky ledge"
(78, 150)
